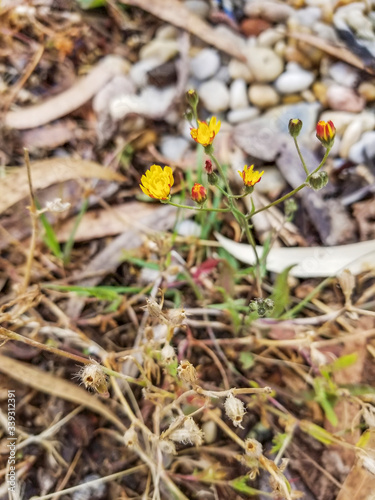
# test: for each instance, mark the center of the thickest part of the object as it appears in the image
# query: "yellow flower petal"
(157, 182)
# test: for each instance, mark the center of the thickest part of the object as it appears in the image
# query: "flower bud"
(208, 167)
(168, 354)
(212, 179)
(261, 306)
(269, 304)
(325, 132)
(93, 377)
(319, 180)
(192, 98)
(187, 372)
(253, 448)
(189, 433)
(199, 193)
(290, 207)
(234, 409)
(167, 446)
(294, 127)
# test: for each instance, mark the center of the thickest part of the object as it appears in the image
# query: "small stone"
(263, 96)
(237, 69)
(139, 71)
(345, 99)
(295, 79)
(242, 115)
(164, 50)
(308, 16)
(343, 74)
(357, 152)
(271, 36)
(361, 123)
(367, 91)
(223, 75)
(269, 10)
(264, 64)
(163, 75)
(173, 148)
(188, 228)
(214, 95)
(254, 26)
(238, 94)
(205, 64)
(198, 7)
(166, 32)
(274, 182)
(320, 92)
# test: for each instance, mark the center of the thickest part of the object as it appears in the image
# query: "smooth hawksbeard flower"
(157, 182)
(199, 193)
(205, 133)
(325, 132)
(249, 176)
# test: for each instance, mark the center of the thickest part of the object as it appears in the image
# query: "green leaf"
(344, 361)
(317, 432)
(278, 442)
(280, 294)
(91, 4)
(247, 360)
(50, 238)
(323, 399)
(240, 484)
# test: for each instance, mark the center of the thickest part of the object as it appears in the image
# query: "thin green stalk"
(300, 156)
(69, 244)
(198, 208)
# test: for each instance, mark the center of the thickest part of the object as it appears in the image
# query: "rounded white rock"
(264, 64)
(238, 94)
(205, 64)
(214, 95)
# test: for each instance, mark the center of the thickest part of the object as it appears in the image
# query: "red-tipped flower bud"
(208, 167)
(325, 132)
(199, 193)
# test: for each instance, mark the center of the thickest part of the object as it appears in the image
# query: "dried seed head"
(168, 354)
(131, 438)
(253, 449)
(176, 317)
(368, 413)
(347, 283)
(93, 377)
(154, 309)
(167, 446)
(189, 433)
(234, 409)
(187, 372)
(57, 205)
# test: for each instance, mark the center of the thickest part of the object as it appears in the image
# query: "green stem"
(300, 156)
(221, 172)
(234, 196)
(321, 163)
(69, 244)
(276, 202)
(197, 208)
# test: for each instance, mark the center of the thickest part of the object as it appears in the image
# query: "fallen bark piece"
(73, 98)
(308, 262)
(14, 187)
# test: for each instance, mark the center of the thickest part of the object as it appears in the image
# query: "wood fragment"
(177, 14)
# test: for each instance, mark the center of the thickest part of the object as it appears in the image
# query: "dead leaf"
(110, 221)
(176, 13)
(14, 187)
(71, 99)
(55, 386)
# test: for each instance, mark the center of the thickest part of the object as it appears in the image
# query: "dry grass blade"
(177, 14)
(48, 383)
(14, 187)
(333, 50)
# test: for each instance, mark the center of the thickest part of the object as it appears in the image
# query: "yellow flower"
(205, 133)
(157, 182)
(249, 176)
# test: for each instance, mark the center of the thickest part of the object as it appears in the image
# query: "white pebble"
(139, 70)
(345, 99)
(263, 96)
(242, 115)
(238, 69)
(344, 74)
(295, 79)
(198, 7)
(214, 95)
(264, 64)
(205, 64)
(188, 228)
(238, 94)
(161, 49)
(173, 148)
